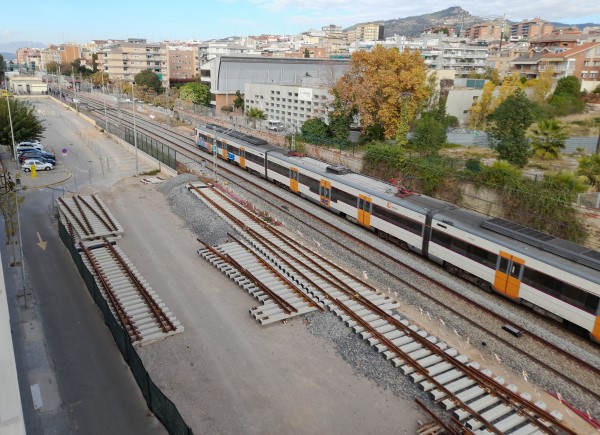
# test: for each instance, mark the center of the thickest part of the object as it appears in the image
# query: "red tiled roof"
(572, 51)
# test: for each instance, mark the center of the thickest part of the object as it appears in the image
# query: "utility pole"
(74, 89)
(134, 131)
(58, 78)
(104, 99)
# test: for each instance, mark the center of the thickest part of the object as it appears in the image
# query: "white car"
(38, 164)
(29, 146)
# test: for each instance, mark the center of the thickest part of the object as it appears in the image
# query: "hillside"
(453, 17)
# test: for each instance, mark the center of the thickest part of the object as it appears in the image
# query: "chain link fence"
(157, 402)
(589, 200)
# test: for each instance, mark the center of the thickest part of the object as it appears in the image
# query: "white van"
(274, 125)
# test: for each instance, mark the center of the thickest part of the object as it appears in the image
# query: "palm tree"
(255, 114)
(589, 168)
(548, 138)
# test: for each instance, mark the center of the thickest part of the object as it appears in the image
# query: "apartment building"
(50, 54)
(369, 32)
(125, 60)
(290, 104)
(484, 31)
(582, 62)
(528, 29)
(183, 63)
(69, 52)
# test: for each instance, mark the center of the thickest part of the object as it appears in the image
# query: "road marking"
(41, 243)
(36, 395)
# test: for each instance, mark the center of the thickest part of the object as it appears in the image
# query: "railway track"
(482, 401)
(325, 228)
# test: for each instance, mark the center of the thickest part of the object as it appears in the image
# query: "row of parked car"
(33, 154)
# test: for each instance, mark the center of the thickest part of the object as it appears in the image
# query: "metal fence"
(161, 152)
(157, 402)
(467, 137)
(589, 200)
(152, 147)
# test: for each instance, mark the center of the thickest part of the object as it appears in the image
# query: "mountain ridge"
(453, 17)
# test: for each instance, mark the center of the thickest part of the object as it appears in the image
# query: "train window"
(516, 270)
(341, 196)
(233, 149)
(561, 290)
(503, 265)
(254, 158)
(276, 167)
(397, 219)
(313, 185)
(466, 249)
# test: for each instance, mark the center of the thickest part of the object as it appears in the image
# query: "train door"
(325, 192)
(294, 176)
(509, 272)
(365, 207)
(242, 157)
(223, 146)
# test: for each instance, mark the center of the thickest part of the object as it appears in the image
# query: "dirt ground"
(226, 373)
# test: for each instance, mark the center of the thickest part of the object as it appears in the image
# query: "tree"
(255, 114)
(568, 86)
(196, 93)
(385, 86)
(430, 135)
(94, 62)
(52, 67)
(2, 68)
(25, 123)
(98, 78)
(314, 130)
(507, 126)
(340, 119)
(589, 168)
(548, 138)
(483, 107)
(149, 79)
(306, 53)
(509, 86)
(540, 87)
(238, 103)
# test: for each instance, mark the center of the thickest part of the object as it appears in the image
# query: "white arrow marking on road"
(41, 243)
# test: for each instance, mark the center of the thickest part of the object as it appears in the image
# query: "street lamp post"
(12, 132)
(134, 131)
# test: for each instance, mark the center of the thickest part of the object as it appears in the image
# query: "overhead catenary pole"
(104, 99)
(134, 132)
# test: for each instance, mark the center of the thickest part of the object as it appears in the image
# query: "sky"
(55, 22)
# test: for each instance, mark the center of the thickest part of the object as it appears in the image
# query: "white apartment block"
(290, 104)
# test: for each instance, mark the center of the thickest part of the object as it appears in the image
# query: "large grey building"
(227, 74)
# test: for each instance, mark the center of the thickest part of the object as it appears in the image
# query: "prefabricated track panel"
(88, 217)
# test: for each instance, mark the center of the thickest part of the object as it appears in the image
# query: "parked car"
(29, 146)
(38, 164)
(37, 154)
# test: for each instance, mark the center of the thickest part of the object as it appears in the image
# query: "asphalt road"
(72, 377)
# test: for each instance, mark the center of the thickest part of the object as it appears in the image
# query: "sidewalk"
(25, 180)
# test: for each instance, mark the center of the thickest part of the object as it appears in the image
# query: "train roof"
(525, 240)
(530, 242)
(368, 185)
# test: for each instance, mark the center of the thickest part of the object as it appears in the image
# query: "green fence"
(157, 402)
(161, 152)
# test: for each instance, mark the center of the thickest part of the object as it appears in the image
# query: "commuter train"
(553, 276)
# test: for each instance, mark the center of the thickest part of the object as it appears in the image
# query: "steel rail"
(105, 213)
(100, 218)
(81, 225)
(161, 318)
(112, 299)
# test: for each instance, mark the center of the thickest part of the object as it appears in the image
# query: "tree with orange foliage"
(386, 87)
